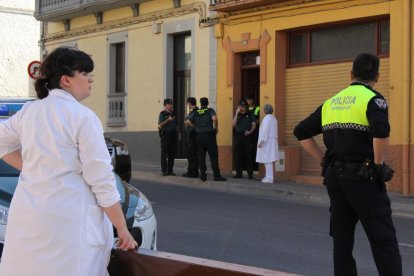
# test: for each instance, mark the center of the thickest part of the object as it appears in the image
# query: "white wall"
(19, 36)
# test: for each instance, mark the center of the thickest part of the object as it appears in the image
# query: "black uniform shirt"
(244, 122)
(349, 144)
(203, 120)
(188, 117)
(172, 125)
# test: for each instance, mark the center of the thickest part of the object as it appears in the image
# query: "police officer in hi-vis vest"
(205, 121)
(255, 111)
(356, 130)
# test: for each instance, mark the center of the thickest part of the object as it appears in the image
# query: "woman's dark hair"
(365, 67)
(62, 61)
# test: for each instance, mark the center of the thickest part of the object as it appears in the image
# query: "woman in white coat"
(267, 146)
(60, 216)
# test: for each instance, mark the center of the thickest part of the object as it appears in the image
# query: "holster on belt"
(326, 161)
(373, 173)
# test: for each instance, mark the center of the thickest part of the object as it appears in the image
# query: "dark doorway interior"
(182, 83)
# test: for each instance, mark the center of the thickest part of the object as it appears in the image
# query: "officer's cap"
(167, 101)
(192, 100)
(242, 102)
(204, 101)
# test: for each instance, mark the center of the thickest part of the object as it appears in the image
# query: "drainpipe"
(406, 99)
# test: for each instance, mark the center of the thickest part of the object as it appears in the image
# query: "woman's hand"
(125, 240)
(115, 214)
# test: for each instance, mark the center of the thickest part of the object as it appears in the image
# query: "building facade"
(19, 36)
(295, 54)
(144, 51)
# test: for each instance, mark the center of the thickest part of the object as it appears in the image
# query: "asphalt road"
(258, 232)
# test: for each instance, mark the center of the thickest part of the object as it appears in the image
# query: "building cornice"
(197, 7)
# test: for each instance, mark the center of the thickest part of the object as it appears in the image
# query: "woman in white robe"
(267, 144)
(60, 216)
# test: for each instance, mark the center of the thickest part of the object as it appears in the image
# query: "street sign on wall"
(34, 69)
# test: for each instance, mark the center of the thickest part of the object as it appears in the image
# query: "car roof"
(9, 105)
(16, 99)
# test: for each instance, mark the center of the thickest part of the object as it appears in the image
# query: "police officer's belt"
(346, 164)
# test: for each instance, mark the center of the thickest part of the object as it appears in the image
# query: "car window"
(6, 170)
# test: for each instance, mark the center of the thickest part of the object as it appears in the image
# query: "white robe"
(269, 152)
(56, 225)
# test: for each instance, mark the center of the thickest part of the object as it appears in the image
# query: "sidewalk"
(287, 191)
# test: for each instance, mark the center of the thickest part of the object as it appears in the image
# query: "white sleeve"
(263, 132)
(96, 162)
(9, 137)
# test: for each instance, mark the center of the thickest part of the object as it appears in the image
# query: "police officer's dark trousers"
(168, 150)
(192, 154)
(244, 153)
(352, 200)
(206, 142)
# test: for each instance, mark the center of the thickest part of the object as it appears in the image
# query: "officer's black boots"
(219, 178)
(238, 175)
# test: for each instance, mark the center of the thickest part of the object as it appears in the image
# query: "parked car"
(136, 207)
(118, 150)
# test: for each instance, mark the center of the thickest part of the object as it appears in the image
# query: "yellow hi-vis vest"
(347, 109)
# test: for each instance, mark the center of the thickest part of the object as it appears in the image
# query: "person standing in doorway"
(206, 123)
(167, 127)
(253, 108)
(244, 125)
(192, 169)
(355, 129)
(255, 111)
(267, 145)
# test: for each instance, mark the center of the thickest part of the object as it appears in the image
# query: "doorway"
(182, 84)
(246, 83)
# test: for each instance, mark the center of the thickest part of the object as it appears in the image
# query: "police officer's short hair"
(365, 67)
(204, 102)
(268, 109)
(192, 100)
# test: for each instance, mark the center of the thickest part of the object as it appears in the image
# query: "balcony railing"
(116, 109)
(238, 5)
(58, 10)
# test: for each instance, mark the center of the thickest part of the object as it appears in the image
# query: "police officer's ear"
(377, 78)
(352, 76)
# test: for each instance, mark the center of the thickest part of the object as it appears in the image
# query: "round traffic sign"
(34, 69)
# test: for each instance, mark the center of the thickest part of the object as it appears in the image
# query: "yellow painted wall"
(117, 14)
(145, 63)
(317, 13)
(83, 21)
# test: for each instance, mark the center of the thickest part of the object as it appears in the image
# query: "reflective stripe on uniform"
(347, 109)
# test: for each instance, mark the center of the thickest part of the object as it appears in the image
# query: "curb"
(284, 191)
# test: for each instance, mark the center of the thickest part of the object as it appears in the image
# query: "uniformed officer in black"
(192, 169)
(355, 130)
(205, 120)
(167, 126)
(244, 125)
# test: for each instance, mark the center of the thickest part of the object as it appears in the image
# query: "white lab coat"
(269, 152)
(55, 224)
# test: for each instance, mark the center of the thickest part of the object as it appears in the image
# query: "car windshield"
(6, 170)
